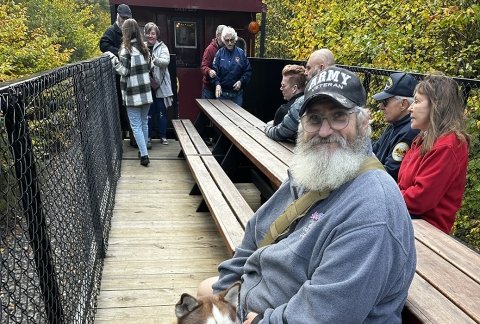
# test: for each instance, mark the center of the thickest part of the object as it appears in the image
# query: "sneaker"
(139, 156)
(144, 160)
(149, 145)
(164, 141)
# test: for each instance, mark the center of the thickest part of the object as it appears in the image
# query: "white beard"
(317, 166)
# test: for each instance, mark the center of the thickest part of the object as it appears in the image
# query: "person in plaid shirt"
(133, 68)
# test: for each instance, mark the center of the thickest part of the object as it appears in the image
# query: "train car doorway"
(187, 27)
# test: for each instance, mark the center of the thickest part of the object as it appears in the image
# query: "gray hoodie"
(350, 259)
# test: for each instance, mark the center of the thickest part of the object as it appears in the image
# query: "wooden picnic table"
(243, 130)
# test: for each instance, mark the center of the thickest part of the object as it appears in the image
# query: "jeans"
(158, 114)
(207, 93)
(138, 116)
(235, 96)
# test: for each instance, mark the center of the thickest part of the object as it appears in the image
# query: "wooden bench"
(229, 209)
(446, 286)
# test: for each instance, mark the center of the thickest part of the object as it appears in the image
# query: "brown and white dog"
(215, 309)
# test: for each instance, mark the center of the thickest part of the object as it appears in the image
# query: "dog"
(216, 309)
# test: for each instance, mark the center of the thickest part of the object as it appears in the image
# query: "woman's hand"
(212, 74)
(113, 57)
(237, 85)
(218, 91)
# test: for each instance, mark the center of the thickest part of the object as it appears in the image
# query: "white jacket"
(159, 64)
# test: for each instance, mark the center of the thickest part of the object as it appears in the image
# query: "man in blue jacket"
(396, 140)
(347, 252)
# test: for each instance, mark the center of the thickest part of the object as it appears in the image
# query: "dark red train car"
(187, 27)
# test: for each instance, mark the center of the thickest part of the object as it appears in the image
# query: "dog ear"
(186, 304)
(231, 294)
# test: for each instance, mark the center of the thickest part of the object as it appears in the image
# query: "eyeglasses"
(385, 102)
(337, 120)
(230, 40)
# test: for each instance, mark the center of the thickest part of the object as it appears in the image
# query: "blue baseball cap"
(398, 84)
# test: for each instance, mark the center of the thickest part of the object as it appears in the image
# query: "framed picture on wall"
(185, 34)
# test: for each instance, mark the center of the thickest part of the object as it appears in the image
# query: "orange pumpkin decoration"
(253, 27)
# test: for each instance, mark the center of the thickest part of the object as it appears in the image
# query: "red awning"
(223, 5)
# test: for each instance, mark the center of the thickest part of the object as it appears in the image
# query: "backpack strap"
(300, 206)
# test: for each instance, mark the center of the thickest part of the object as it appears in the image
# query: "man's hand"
(250, 317)
(268, 126)
(237, 85)
(218, 91)
(212, 74)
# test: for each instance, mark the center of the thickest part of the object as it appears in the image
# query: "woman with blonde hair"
(163, 95)
(432, 175)
(133, 68)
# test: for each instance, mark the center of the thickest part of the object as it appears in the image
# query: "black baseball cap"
(124, 11)
(338, 84)
(398, 84)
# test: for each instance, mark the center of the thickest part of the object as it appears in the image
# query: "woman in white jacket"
(163, 95)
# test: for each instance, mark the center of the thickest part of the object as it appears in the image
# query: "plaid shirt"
(134, 77)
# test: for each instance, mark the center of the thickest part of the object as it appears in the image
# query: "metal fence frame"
(60, 154)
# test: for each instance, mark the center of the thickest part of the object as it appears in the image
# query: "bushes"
(39, 35)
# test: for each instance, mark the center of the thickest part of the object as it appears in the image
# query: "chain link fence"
(60, 154)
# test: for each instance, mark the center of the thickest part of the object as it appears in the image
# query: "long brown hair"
(131, 30)
(446, 109)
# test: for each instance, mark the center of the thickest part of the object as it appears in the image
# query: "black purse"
(153, 82)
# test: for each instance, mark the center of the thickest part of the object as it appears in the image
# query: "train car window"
(185, 34)
(185, 38)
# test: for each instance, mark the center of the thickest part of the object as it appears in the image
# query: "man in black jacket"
(111, 41)
(112, 38)
(394, 143)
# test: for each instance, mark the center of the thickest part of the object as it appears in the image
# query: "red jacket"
(433, 185)
(207, 60)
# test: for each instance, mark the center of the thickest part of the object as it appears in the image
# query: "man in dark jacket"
(110, 42)
(112, 38)
(207, 60)
(394, 143)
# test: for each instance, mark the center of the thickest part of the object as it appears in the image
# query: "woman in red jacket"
(432, 175)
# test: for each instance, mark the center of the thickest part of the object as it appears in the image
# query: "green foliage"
(38, 35)
(73, 24)
(415, 36)
(25, 51)
(406, 35)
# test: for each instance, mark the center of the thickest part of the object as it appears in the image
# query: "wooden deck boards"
(159, 246)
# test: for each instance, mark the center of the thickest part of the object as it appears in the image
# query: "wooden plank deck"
(159, 246)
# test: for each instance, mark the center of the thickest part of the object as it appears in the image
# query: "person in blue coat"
(232, 68)
(396, 140)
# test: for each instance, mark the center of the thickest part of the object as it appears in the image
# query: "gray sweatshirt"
(350, 259)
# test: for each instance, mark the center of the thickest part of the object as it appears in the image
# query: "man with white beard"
(335, 243)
